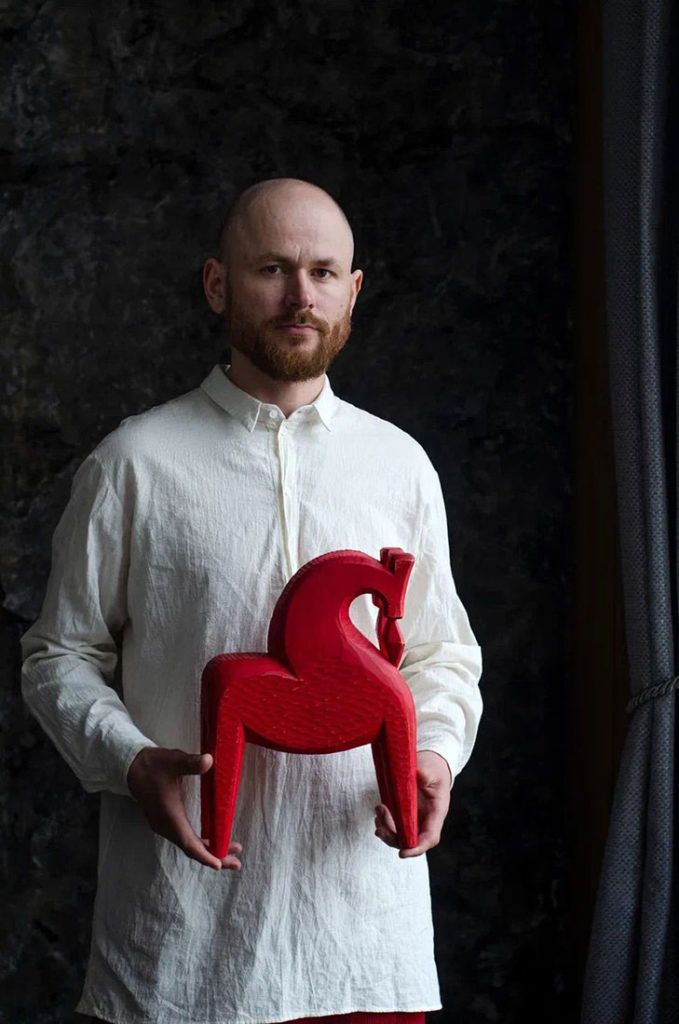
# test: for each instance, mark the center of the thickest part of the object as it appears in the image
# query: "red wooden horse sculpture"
(321, 687)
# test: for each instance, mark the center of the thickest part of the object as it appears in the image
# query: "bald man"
(184, 525)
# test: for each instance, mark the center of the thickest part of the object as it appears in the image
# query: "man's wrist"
(429, 750)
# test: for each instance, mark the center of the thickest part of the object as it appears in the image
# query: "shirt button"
(272, 414)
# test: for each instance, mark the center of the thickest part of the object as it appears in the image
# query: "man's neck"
(287, 395)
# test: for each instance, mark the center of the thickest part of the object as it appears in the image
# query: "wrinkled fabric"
(351, 1018)
(183, 526)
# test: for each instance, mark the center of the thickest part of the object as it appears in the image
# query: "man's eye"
(274, 266)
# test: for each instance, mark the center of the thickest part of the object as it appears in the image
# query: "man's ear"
(357, 277)
(214, 284)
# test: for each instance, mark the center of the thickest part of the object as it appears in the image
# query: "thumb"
(194, 764)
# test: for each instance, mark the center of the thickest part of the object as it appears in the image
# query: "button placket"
(290, 500)
(284, 456)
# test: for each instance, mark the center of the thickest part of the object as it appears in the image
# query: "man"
(183, 526)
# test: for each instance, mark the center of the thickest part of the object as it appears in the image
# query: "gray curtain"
(632, 972)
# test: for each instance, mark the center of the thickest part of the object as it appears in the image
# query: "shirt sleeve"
(69, 654)
(442, 660)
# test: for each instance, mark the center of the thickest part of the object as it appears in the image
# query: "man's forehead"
(291, 255)
(288, 216)
(297, 225)
(323, 243)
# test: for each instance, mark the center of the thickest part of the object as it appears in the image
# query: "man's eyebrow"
(329, 261)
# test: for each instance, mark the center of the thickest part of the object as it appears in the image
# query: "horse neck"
(316, 608)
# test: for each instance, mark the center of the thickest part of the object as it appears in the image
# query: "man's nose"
(298, 293)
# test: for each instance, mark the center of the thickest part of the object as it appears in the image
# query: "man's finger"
(231, 860)
(386, 826)
(190, 843)
(430, 832)
(235, 844)
(186, 841)
(191, 764)
(385, 817)
(181, 832)
(386, 837)
(432, 816)
(425, 841)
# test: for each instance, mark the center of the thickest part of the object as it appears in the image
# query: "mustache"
(307, 321)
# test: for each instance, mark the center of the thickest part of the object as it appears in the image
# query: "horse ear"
(388, 557)
(396, 560)
(403, 568)
(400, 564)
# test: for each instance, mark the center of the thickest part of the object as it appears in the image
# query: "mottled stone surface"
(446, 133)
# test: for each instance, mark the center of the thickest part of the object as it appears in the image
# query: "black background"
(446, 133)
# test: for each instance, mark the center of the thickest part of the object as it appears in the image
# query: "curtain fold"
(632, 969)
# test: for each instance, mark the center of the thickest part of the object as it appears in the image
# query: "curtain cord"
(651, 692)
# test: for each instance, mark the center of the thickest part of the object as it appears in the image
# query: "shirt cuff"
(128, 755)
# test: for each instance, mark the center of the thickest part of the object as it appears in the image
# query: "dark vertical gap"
(667, 300)
(598, 662)
(668, 238)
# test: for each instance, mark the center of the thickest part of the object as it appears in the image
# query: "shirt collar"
(248, 409)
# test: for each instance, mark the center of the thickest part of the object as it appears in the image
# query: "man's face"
(277, 276)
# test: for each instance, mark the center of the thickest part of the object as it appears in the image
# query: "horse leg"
(381, 769)
(225, 773)
(399, 762)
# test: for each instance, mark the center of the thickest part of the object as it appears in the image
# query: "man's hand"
(154, 780)
(433, 796)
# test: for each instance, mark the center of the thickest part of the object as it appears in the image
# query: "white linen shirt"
(183, 526)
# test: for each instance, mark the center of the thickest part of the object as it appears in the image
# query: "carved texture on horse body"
(322, 687)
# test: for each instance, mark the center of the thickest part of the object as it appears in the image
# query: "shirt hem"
(90, 1008)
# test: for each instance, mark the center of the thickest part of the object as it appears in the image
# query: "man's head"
(285, 255)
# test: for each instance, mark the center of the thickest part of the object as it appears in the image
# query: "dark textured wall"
(446, 133)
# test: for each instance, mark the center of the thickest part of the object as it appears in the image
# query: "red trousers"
(361, 1017)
